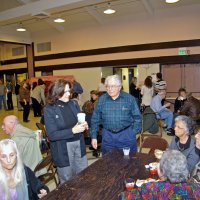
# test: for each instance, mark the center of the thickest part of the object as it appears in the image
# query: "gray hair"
(18, 170)
(113, 80)
(187, 122)
(173, 166)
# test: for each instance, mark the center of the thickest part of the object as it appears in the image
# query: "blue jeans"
(168, 117)
(126, 138)
(3, 99)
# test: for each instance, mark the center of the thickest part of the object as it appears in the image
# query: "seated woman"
(196, 172)
(173, 173)
(180, 100)
(17, 181)
(183, 142)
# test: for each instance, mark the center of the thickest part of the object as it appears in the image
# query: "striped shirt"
(160, 85)
(116, 114)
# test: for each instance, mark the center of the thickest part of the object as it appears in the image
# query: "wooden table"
(104, 179)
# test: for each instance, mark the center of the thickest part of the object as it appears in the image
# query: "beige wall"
(171, 25)
(89, 79)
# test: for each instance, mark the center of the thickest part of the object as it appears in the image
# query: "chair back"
(47, 163)
(154, 142)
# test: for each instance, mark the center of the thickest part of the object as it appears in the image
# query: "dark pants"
(9, 101)
(37, 108)
(125, 138)
(26, 110)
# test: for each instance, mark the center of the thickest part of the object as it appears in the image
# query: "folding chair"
(47, 163)
(145, 133)
(154, 142)
(45, 141)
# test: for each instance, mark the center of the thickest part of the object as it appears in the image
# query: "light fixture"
(171, 1)
(109, 10)
(21, 28)
(59, 20)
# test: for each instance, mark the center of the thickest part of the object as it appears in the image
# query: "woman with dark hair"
(147, 92)
(64, 132)
(180, 100)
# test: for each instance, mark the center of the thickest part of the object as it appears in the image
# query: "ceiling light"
(21, 28)
(59, 20)
(171, 1)
(109, 10)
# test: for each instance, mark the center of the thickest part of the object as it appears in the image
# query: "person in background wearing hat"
(183, 142)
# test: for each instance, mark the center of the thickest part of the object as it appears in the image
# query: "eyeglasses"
(7, 141)
(111, 86)
(178, 127)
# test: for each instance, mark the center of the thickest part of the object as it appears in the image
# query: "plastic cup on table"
(126, 151)
(129, 184)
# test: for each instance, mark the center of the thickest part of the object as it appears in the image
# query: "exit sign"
(183, 51)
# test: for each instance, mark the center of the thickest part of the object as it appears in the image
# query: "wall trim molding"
(194, 58)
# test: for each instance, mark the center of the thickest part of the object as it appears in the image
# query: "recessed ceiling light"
(59, 20)
(109, 10)
(171, 1)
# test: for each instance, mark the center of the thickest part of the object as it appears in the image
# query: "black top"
(183, 146)
(17, 89)
(71, 119)
(178, 104)
(133, 91)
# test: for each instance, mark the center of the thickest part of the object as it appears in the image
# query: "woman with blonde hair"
(16, 180)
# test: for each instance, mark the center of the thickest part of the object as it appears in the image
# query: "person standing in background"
(102, 87)
(147, 92)
(2, 95)
(17, 86)
(134, 90)
(9, 87)
(24, 95)
(160, 85)
(38, 98)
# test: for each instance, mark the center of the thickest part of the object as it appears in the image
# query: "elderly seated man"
(173, 173)
(25, 140)
(162, 111)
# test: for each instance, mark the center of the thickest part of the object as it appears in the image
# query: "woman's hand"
(43, 193)
(78, 128)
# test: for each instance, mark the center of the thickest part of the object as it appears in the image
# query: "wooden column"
(30, 60)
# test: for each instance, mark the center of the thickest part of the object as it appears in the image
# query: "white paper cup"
(126, 151)
(81, 117)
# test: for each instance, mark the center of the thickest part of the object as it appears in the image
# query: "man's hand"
(167, 105)
(94, 143)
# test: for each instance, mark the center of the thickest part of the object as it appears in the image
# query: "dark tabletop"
(104, 179)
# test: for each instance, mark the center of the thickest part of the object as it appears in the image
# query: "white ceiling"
(76, 12)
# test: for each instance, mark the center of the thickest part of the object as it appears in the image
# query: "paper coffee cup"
(81, 117)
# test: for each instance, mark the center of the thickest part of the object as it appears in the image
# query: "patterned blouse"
(163, 191)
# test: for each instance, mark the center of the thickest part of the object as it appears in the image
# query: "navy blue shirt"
(116, 114)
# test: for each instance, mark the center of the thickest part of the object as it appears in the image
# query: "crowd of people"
(111, 113)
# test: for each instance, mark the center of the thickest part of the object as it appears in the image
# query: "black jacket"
(34, 185)
(59, 135)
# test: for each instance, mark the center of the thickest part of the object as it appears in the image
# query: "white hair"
(113, 80)
(17, 172)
